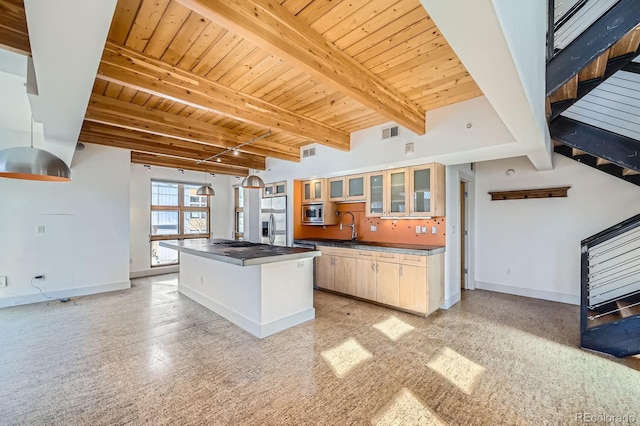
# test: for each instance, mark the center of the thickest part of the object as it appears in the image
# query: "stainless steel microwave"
(313, 214)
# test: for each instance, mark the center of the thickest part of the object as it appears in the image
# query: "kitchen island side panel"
(235, 289)
(287, 289)
(261, 299)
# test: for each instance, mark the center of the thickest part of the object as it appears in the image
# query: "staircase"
(607, 46)
(610, 290)
(631, 175)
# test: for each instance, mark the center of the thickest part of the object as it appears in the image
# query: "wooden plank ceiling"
(184, 80)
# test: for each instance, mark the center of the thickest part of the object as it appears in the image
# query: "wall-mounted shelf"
(523, 194)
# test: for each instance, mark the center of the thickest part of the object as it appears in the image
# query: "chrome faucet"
(354, 234)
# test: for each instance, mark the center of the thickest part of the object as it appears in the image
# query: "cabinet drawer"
(411, 259)
(337, 251)
(384, 256)
(366, 254)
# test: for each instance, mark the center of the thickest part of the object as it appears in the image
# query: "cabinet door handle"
(400, 270)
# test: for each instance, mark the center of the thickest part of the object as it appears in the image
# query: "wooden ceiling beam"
(131, 69)
(102, 134)
(185, 164)
(14, 35)
(275, 29)
(122, 114)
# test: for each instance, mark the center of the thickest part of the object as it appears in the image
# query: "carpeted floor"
(152, 356)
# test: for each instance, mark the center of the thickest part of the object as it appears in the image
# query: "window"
(238, 196)
(177, 213)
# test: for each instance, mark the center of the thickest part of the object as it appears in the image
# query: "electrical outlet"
(40, 229)
(374, 228)
(417, 229)
(508, 271)
(434, 230)
(341, 226)
(3, 281)
(424, 229)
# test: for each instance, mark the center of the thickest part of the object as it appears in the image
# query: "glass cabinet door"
(397, 192)
(375, 200)
(317, 191)
(280, 188)
(421, 198)
(267, 191)
(336, 189)
(306, 196)
(355, 187)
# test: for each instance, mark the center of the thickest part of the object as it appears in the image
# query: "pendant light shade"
(206, 190)
(253, 182)
(33, 164)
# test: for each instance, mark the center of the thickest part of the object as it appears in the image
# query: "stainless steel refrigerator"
(273, 221)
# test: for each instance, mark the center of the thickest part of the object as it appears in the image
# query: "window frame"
(238, 236)
(182, 209)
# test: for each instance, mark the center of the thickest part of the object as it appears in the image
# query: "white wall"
(538, 240)
(447, 141)
(221, 214)
(85, 245)
(453, 253)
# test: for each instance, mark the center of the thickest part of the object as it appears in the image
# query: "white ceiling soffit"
(67, 38)
(13, 63)
(502, 45)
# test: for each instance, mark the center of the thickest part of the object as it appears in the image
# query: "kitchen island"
(261, 288)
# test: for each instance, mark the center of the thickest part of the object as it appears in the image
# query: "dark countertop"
(420, 250)
(242, 253)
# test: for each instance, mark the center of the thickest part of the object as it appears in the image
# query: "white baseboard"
(60, 294)
(258, 330)
(572, 299)
(451, 300)
(155, 271)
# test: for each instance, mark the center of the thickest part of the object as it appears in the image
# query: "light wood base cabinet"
(387, 279)
(413, 291)
(336, 270)
(410, 282)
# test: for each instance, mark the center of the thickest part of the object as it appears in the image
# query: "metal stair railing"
(610, 269)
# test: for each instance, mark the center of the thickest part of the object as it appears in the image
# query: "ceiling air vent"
(308, 152)
(389, 132)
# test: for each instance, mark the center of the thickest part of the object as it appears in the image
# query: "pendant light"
(31, 163)
(206, 189)
(253, 182)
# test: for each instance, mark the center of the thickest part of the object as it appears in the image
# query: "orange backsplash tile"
(387, 230)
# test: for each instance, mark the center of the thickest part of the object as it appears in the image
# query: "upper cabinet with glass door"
(427, 195)
(411, 191)
(347, 188)
(275, 189)
(313, 190)
(397, 193)
(374, 202)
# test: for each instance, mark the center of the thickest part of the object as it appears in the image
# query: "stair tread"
(601, 320)
(628, 309)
